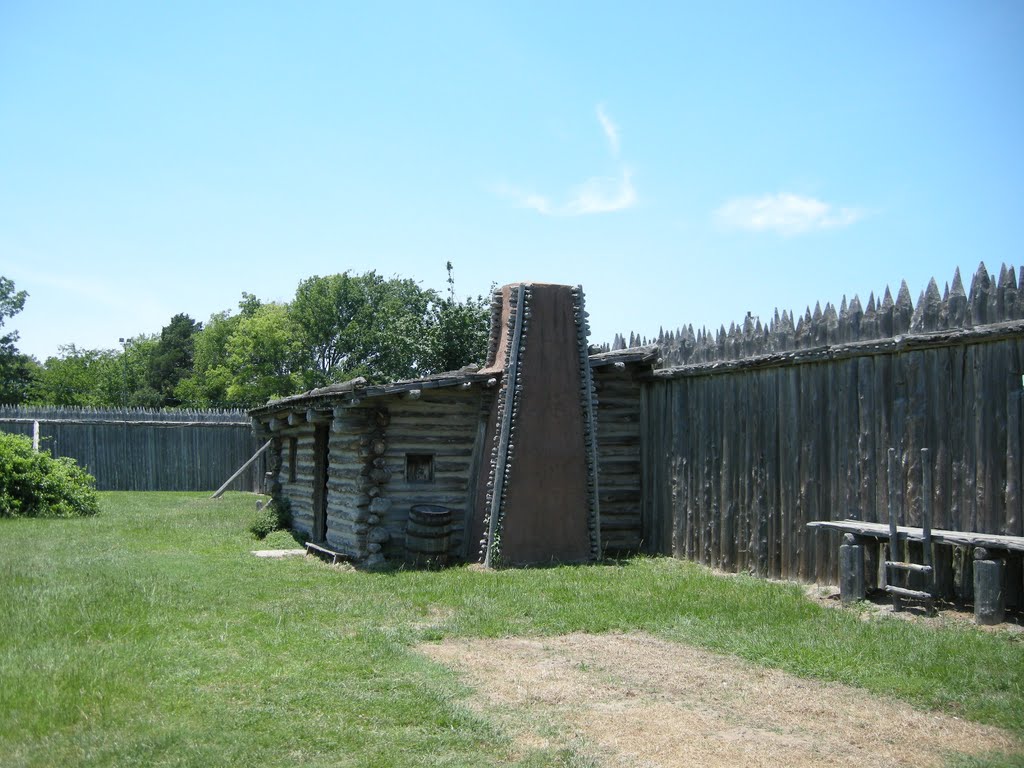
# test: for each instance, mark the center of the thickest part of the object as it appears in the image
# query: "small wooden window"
(419, 468)
(293, 450)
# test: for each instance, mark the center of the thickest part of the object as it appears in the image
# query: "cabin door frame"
(321, 465)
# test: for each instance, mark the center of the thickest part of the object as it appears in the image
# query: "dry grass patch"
(635, 700)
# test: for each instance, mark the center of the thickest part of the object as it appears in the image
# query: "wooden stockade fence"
(132, 449)
(751, 433)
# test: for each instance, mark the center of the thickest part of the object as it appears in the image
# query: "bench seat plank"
(958, 538)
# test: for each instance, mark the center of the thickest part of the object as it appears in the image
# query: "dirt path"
(634, 700)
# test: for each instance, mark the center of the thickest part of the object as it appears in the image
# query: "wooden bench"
(991, 552)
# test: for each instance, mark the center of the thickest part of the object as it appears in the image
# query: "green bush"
(37, 485)
(275, 516)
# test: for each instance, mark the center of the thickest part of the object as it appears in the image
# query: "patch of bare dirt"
(634, 700)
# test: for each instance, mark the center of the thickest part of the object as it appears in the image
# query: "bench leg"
(851, 570)
(989, 594)
(942, 561)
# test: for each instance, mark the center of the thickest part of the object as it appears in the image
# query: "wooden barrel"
(427, 535)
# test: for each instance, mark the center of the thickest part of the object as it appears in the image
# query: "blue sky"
(684, 162)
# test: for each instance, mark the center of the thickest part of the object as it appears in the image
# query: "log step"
(325, 553)
(910, 594)
(913, 567)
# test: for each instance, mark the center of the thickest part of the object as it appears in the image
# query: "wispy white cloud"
(595, 195)
(603, 195)
(785, 214)
(611, 130)
(598, 194)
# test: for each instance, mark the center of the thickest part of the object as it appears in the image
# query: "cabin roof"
(646, 354)
(465, 377)
(358, 389)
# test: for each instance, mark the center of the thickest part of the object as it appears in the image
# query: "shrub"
(275, 516)
(37, 485)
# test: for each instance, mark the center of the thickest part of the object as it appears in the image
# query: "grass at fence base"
(150, 636)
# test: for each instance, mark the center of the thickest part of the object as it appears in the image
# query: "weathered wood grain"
(761, 432)
(142, 449)
(618, 454)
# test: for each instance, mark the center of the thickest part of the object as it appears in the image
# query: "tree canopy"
(171, 360)
(457, 332)
(16, 369)
(335, 328)
(360, 325)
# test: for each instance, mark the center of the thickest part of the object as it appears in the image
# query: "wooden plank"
(719, 456)
(892, 480)
(726, 508)
(807, 467)
(756, 550)
(789, 460)
(940, 535)
(663, 527)
(938, 376)
(771, 480)
(1012, 522)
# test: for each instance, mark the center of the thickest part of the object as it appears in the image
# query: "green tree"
(97, 378)
(207, 386)
(16, 370)
(172, 358)
(217, 361)
(136, 362)
(360, 325)
(457, 332)
(260, 358)
(82, 377)
(18, 373)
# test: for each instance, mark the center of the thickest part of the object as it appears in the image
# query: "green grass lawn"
(149, 635)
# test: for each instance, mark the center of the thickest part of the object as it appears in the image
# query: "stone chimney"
(537, 498)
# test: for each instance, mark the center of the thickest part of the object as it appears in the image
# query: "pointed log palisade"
(751, 433)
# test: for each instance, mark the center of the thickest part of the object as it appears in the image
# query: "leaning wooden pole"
(220, 491)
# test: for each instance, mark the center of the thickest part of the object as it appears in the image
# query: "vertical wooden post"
(926, 523)
(897, 604)
(851, 570)
(942, 562)
(1012, 521)
(963, 578)
(989, 595)
(35, 435)
(1014, 582)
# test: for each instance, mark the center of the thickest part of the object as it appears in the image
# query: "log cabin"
(532, 458)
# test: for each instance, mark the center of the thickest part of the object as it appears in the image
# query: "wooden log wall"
(348, 481)
(618, 458)
(368, 493)
(446, 424)
(739, 454)
(146, 449)
(296, 474)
